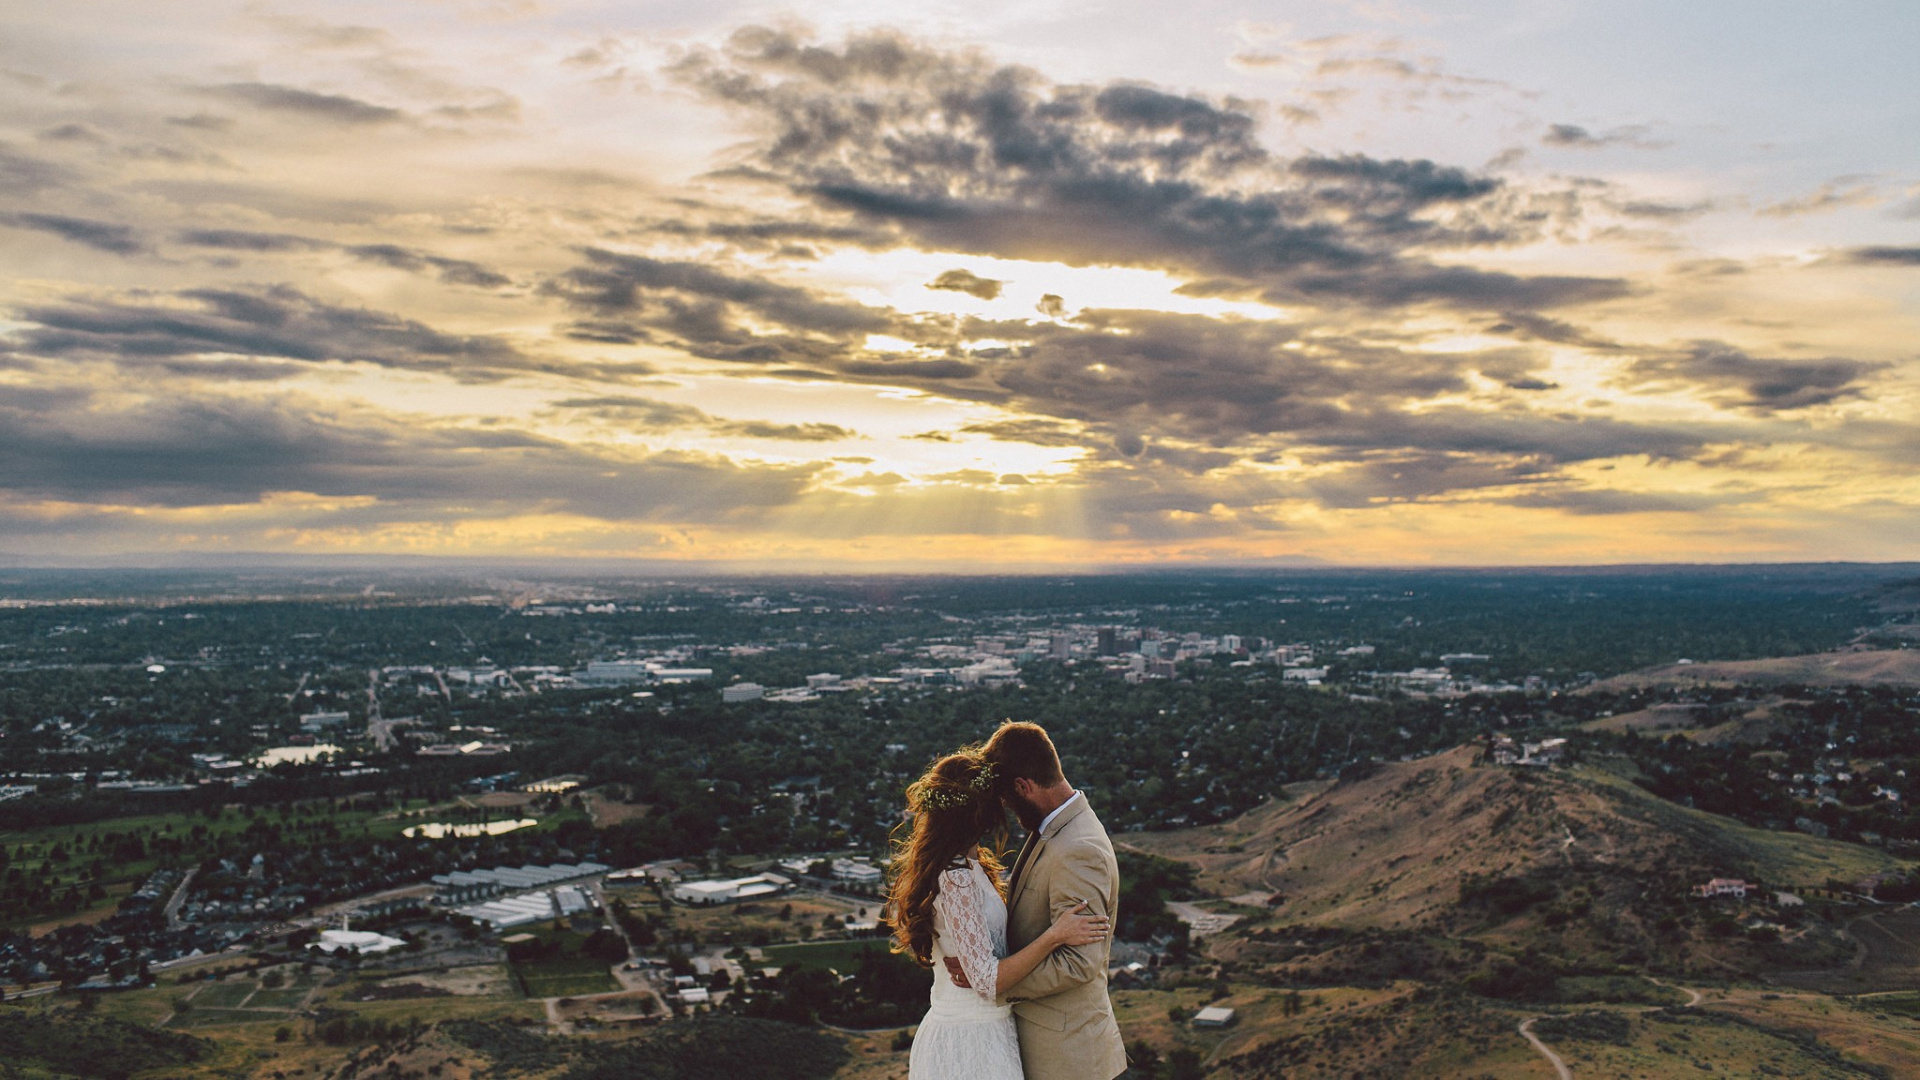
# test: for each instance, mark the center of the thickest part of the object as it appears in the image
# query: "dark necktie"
(1020, 864)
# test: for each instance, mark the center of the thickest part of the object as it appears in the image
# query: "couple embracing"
(1019, 960)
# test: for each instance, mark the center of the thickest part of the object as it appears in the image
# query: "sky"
(941, 286)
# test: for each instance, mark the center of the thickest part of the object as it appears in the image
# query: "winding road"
(1560, 1069)
(1559, 1066)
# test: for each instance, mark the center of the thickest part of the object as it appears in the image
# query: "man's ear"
(1023, 787)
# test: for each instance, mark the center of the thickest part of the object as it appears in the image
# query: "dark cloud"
(336, 108)
(966, 281)
(1884, 256)
(1031, 430)
(711, 313)
(1052, 306)
(221, 451)
(1419, 475)
(1659, 211)
(1527, 325)
(650, 413)
(1577, 137)
(24, 174)
(452, 271)
(958, 155)
(1731, 377)
(73, 133)
(634, 411)
(273, 323)
(764, 429)
(99, 235)
(910, 371)
(247, 240)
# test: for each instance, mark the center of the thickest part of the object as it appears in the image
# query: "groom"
(1066, 1024)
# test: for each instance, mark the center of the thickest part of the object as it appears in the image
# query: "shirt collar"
(1048, 820)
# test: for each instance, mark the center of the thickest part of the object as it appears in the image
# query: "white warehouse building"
(706, 893)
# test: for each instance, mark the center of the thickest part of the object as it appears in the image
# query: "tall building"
(1109, 641)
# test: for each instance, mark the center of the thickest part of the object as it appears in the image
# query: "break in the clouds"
(577, 280)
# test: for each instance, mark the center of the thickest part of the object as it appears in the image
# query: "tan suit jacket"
(1066, 1024)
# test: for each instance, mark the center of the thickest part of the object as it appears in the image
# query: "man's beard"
(1029, 815)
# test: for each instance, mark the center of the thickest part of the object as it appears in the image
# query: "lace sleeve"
(972, 943)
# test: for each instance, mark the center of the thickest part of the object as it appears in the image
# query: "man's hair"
(1022, 750)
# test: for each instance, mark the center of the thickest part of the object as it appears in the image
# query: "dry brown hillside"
(1402, 847)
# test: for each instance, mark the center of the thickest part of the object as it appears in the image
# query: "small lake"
(439, 829)
(298, 755)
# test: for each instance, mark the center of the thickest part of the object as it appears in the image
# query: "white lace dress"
(965, 1036)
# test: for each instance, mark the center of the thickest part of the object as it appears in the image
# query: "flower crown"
(930, 798)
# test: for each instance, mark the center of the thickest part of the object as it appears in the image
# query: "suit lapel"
(1036, 840)
(1020, 865)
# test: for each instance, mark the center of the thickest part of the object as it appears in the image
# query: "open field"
(567, 977)
(765, 922)
(841, 956)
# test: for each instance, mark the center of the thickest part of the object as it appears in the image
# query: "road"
(1559, 1067)
(1200, 922)
(178, 899)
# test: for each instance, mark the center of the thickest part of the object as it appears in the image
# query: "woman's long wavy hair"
(953, 807)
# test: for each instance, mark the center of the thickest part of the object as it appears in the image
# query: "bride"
(946, 900)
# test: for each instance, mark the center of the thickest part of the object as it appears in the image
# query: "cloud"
(1836, 194)
(1598, 501)
(634, 411)
(958, 155)
(1541, 328)
(653, 414)
(277, 322)
(24, 174)
(710, 313)
(966, 281)
(1579, 138)
(1884, 256)
(67, 445)
(99, 235)
(1731, 377)
(247, 240)
(451, 271)
(292, 100)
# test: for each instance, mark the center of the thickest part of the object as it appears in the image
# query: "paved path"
(1559, 1067)
(178, 899)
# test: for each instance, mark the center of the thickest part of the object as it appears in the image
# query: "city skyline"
(848, 286)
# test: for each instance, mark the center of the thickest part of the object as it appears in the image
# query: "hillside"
(1433, 917)
(1578, 863)
(1857, 667)
(1393, 849)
